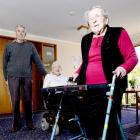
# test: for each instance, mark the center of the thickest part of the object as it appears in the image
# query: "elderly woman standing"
(105, 51)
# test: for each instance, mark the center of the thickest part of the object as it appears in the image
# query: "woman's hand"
(75, 75)
(120, 72)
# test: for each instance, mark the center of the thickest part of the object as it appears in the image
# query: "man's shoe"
(30, 126)
(14, 129)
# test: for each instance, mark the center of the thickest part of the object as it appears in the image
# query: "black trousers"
(93, 112)
(21, 87)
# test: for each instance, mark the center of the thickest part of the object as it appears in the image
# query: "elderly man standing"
(17, 67)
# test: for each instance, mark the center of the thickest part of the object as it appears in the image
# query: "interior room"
(56, 29)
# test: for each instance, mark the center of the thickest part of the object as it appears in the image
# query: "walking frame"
(82, 134)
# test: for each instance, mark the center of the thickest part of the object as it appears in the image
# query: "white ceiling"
(52, 18)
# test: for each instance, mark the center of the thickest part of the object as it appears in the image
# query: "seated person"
(55, 78)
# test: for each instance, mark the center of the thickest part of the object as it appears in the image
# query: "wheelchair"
(64, 104)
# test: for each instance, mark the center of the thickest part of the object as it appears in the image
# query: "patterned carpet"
(132, 131)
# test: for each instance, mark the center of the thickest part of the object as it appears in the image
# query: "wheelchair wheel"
(44, 124)
(56, 130)
(74, 126)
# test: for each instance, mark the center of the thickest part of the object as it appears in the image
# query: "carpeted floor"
(132, 131)
(25, 134)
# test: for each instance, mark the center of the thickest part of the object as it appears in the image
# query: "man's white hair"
(21, 26)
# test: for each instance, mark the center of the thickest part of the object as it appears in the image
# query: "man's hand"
(120, 72)
(6, 83)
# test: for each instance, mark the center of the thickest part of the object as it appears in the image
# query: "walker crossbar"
(73, 88)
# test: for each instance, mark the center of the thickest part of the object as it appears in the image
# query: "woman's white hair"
(56, 63)
(95, 7)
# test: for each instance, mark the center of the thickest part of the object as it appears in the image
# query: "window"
(135, 74)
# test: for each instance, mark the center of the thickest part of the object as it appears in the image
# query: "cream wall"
(65, 53)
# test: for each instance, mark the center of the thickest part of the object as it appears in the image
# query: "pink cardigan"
(95, 73)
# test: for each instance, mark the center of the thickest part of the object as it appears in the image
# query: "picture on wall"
(48, 55)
